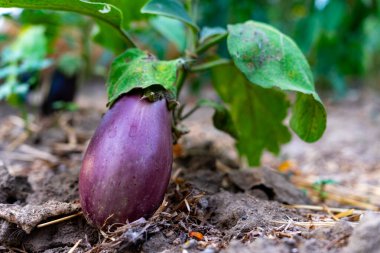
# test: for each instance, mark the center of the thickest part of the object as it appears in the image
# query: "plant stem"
(86, 50)
(210, 43)
(189, 113)
(209, 65)
(182, 73)
(192, 33)
(86, 8)
(25, 117)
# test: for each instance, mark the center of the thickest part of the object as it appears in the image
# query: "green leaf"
(222, 118)
(55, 18)
(115, 43)
(169, 8)
(257, 113)
(65, 106)
(113, 12)
(30, 45)
(269, 58)
(139, 69)
(172, 29)
(130, 10)
(308, 113)
(152, 40)
(210, 32)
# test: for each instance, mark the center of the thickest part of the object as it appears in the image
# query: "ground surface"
(214, 202)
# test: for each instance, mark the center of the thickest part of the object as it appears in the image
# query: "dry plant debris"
(29, 216)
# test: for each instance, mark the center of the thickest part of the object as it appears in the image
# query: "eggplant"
(127, 166)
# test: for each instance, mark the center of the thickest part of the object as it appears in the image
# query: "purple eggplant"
(127, 165)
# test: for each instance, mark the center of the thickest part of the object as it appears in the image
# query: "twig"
(353, 202)
(58, 220)
(38, 153)
(308, 224)
(345, 214)
(340, 195)
(64, 147)
(18, 250)
(287, 235)
(18, 141)
(187, 205)
(17, 156)
(19, 122)
(321, 208)
(327, 209)
(70, 132)
(75, 246)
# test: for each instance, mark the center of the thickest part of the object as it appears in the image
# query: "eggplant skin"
(127, 165)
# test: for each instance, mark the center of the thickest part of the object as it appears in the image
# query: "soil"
(214, 203)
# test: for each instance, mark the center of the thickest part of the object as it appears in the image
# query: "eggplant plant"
(127, 165)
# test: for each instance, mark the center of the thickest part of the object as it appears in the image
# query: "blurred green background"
(340, 38)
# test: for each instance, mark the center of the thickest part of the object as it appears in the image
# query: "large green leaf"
(114, 12)
(124, 11)
(54, 18)
(169, 8)
(257, 113)
(269, 58)
(139, 69)
(222, 118)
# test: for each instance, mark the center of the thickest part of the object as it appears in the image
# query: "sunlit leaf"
(139, 69)
(269, 59)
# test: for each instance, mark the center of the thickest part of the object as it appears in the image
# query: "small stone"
(209, 249)
(189, 244)
(366, 237)
(177, 241)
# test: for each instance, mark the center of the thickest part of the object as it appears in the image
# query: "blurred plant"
(3, 38)
(65, 106)
(69, 64)
(334, 37)
(20, 64)
(320, 187)
(55, 37)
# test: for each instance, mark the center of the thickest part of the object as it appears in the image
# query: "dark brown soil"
(214, 203)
